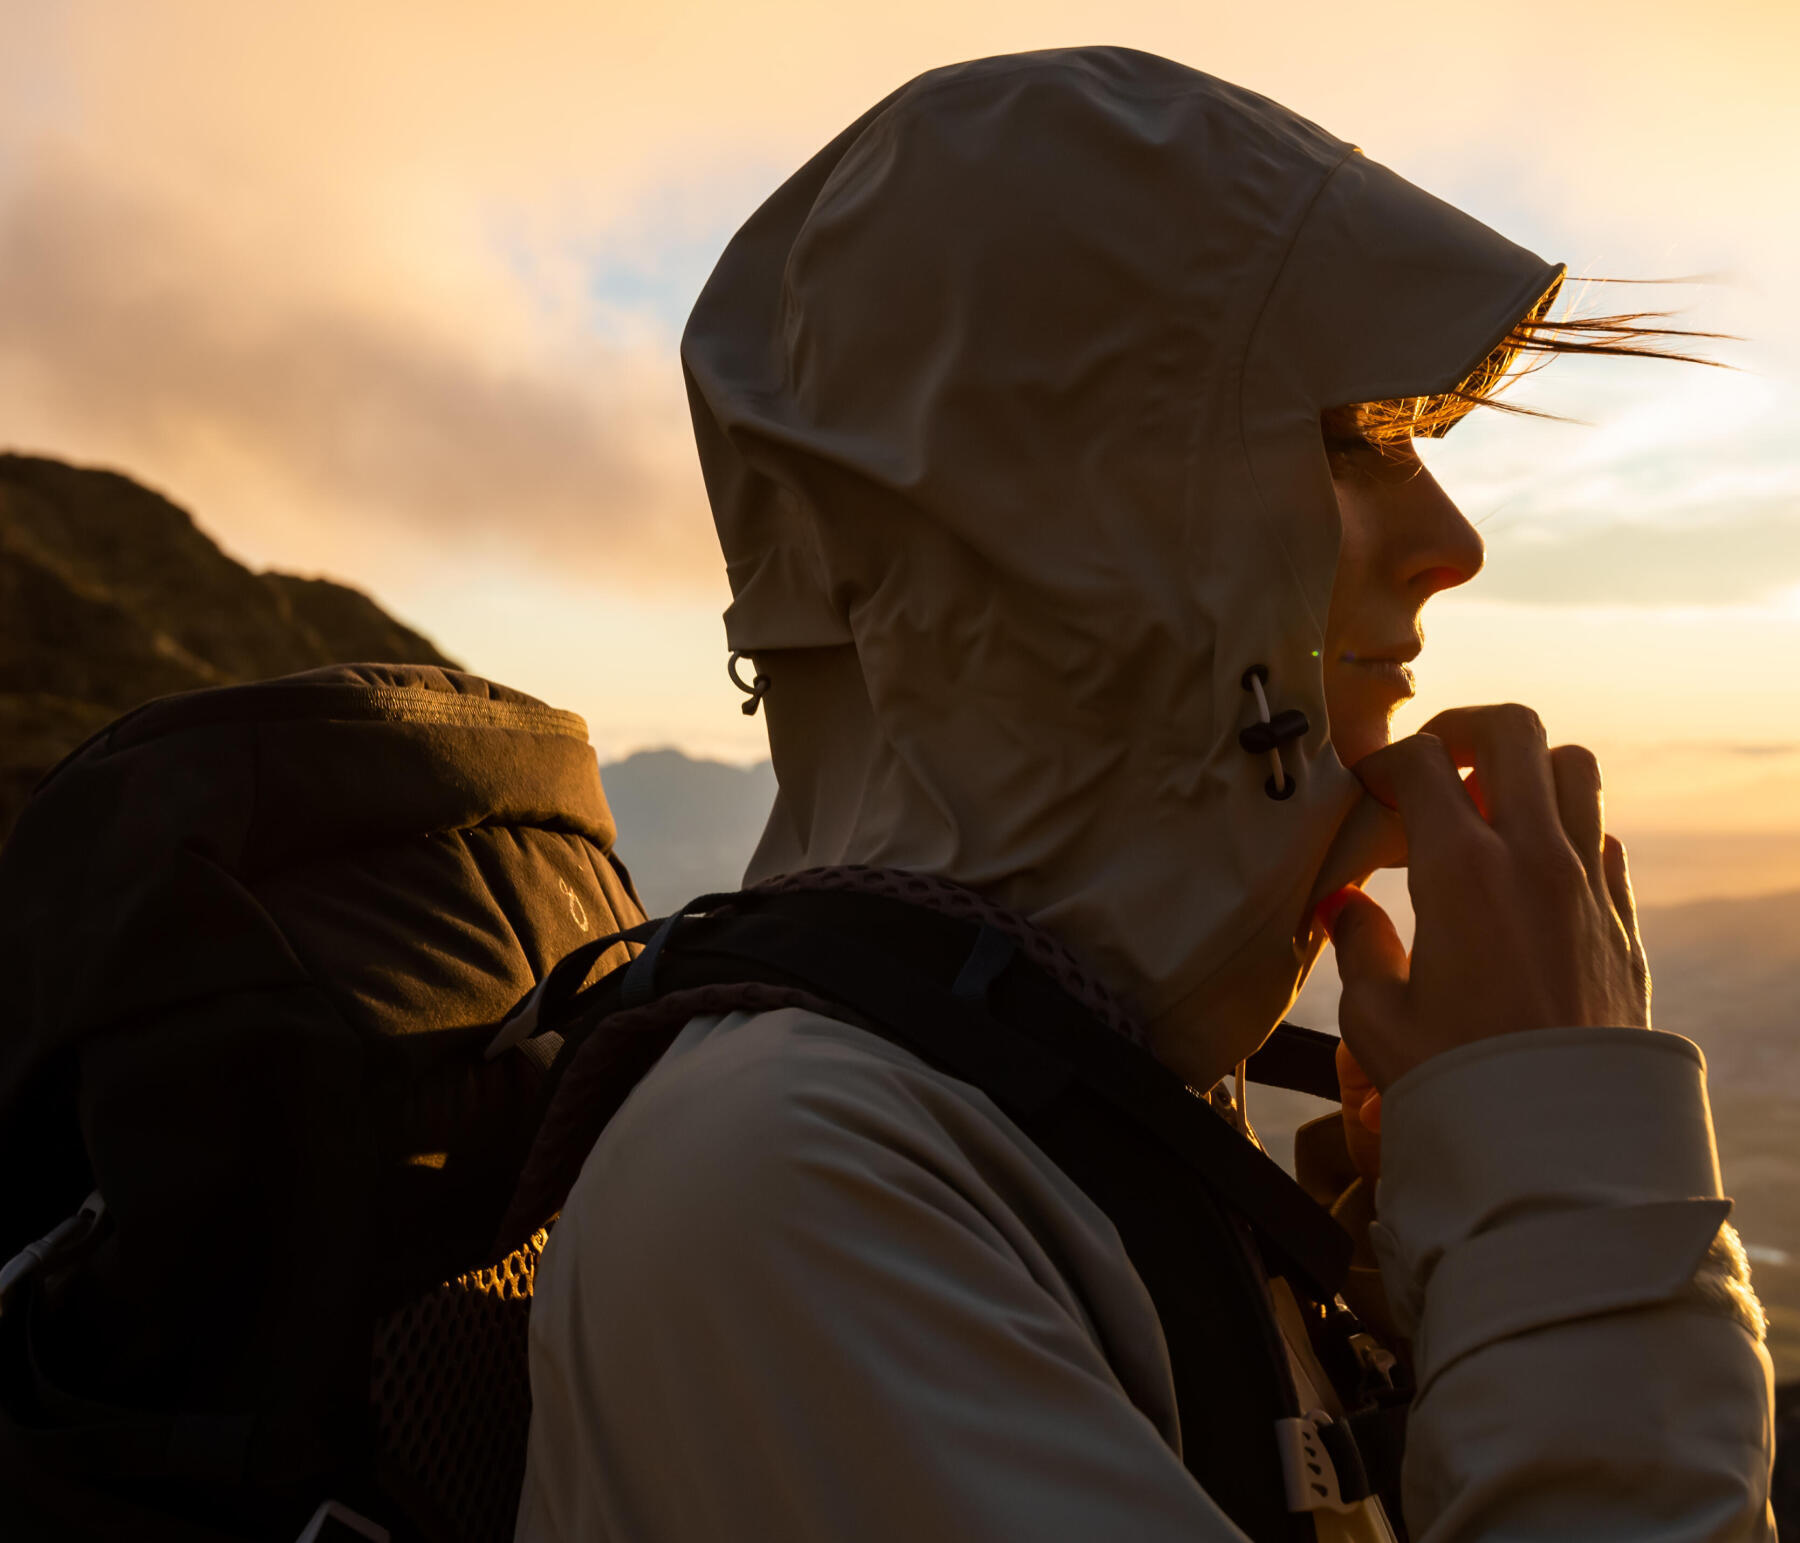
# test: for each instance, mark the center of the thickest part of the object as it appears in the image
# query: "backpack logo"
(576, 908)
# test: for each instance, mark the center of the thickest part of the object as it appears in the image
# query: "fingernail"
(1327, 910)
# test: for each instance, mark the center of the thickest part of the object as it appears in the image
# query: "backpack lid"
(128, 878)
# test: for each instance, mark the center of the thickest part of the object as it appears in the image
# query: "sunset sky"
(391, 292)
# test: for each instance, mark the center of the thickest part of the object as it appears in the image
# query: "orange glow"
(341, 279)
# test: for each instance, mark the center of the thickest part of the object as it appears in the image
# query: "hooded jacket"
(1008, 404)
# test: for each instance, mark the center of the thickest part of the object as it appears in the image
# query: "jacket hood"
(1008, 405)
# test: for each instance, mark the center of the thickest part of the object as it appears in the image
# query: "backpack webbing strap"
(1023, 1040)
(1026, 1072)
(1157, 1160)
(1301, 1060)
(548, 999)
(1184, 1189)
(1227, 1364)
(594, 1079)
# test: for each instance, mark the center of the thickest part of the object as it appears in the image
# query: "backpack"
(330, 984)
(256, 941)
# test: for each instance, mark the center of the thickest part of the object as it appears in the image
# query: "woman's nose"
(1443, 549)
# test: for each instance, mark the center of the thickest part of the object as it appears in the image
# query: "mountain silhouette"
(111, 595)
(686, 827)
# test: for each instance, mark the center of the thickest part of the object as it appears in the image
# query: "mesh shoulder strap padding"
(450, 1397)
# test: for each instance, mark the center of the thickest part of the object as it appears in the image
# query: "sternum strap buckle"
(1320, 1462)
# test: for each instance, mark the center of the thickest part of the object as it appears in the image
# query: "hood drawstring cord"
(756, 690)
(1271, 733)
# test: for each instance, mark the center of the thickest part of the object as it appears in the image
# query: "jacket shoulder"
(744, 1107)
(780, 1141)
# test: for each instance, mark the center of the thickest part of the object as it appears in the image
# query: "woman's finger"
(1579, 802)
(1416, 777)
(1356, 1090)
(1476, 792)
(1361, 1113)
(1507, 747)
(1354, 1084)
(1373, 965)
(1618, 886)
(1363, 937)
(1370, 1113)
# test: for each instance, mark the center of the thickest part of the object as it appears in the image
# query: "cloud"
(1730, 562)
(343, 275)
(118, 314)
(1682, 488)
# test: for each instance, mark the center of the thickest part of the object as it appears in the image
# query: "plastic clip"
(1307, 1467)
(756, 689)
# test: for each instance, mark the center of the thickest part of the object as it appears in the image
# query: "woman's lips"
(1395, 674)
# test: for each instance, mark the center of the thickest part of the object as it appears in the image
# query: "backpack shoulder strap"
(960, 997)
(1183, 1188)
(1301, 1060)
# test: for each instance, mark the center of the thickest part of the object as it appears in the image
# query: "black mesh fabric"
(450, 1398)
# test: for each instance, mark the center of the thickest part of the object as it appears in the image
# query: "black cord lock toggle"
(1260, 738)
(1274, 731)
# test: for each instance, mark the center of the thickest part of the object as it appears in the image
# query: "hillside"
(111, 595)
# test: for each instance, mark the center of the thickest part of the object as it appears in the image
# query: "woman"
(1056, 420)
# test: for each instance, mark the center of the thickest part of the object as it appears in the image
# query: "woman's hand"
(1524, 912)
(1362, 1114)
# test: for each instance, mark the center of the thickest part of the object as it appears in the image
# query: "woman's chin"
(1361, 700)
(1360, 737)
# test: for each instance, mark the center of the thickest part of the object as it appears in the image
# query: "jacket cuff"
(1541, 1176)
(1552, 1269)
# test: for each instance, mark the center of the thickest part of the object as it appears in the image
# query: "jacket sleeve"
(1587, 1347)
(818, 1294)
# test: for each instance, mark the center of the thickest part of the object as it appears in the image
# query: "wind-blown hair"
(1533, 342)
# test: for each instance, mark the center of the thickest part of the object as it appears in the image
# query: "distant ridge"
(686, 827)
(111, 595)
